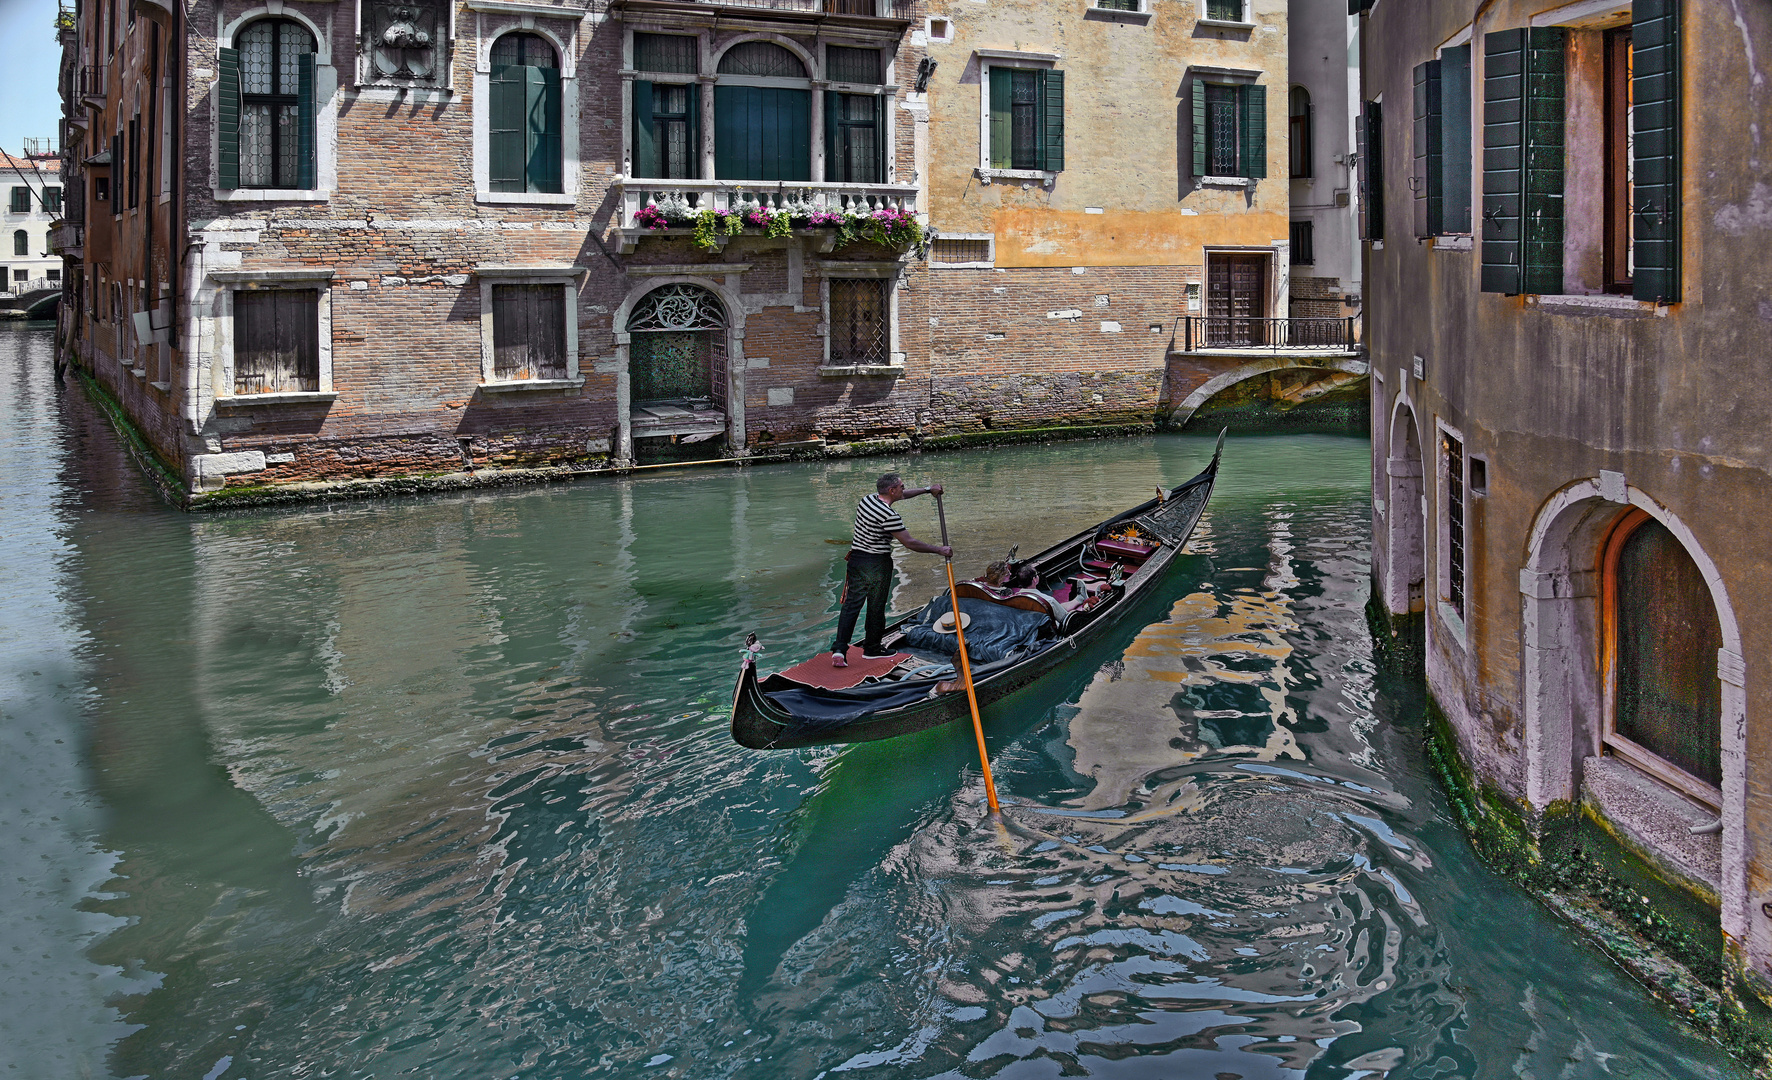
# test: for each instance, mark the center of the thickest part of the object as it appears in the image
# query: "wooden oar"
(984, 759)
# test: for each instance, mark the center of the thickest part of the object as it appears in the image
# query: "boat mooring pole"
(984, 758)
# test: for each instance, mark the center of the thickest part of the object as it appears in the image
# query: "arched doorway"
(1404, 587)
(677, 351)
(1661, 636)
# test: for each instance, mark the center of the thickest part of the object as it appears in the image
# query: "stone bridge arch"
(36, 304)
(1353, 367)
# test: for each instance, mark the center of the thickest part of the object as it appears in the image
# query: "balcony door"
(1236, 299)
(762, 114)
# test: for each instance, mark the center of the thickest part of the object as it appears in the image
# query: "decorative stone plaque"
(402, 41)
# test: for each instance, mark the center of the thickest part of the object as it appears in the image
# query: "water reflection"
(442, 787)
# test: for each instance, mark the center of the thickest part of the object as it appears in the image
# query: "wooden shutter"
(1523, 112)
(1001, 141)
(1425, 179)
(506, 138)
(1197, 92)
(1371, 137)
(762, 133)
(1252, 129)
(276, 341)
(541, 144)
(1455, 139)
(529, 332)
(646, 160)
(304, 109)
(1655, 90)
(1051, 91)
(227, 112)
(882, 150)
(834, 171)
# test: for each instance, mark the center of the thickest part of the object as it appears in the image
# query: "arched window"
(266, 116)
(1661, 643)
(524, 132)
(762, 114)
(1302, 151)
(21, 242)
(677, 346)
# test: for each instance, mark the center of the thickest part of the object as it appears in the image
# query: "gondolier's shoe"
(839, 660)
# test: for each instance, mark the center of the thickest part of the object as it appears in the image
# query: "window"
(854, 138)
(101, 189)
(265, 114)
(52, 199)
(21, 275)
(528, 332)
(961, 251)
(1619, 196)
(1452, 489)
(21, 242)
(860, 333)
(1300, 128)
(117, 167)
(1529, 180)
(276, 341)
(1661, 639)
(54, 275)
(667, 115)
(1303, 243)
(852, 65)
(135, 162)
(677, 346)
(1370, 136)
(21, 200)
(1225, 10)
(762, 114)
(1230, 129)
(1441, 175)
(523, 143)
(1117, 5)
(1027, 119)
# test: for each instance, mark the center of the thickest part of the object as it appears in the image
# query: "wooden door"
(1236, 299)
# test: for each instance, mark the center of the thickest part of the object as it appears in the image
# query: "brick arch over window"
(1563, 691)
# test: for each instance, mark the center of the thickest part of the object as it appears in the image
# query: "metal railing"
(1233, 332)
(740, 195)
(877, 9)
(92, 81)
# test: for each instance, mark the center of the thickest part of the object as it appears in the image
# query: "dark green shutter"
(1052, 125)
(541, 106)
(304, 111)
(833, 139)
(1252, 133)
(1371, 137)
(1197, 96)
(1523, 119)
(1546, 93)
(505, 144)
(1000, 126)
(762, 133)
(695, 132)
(1425, 180)
(646, 161)
(1655, 113)
(227, 109)
(882, 150)
(1455, 139)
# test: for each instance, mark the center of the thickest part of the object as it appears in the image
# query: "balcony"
(91, 81)
(817, 10)
(739, 195)
(1235, 334)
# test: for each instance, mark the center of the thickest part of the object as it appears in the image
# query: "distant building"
(1566, 317)
(31, 183)
(387, 237)
(1321, 107)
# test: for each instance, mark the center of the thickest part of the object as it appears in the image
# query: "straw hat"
(945, 624)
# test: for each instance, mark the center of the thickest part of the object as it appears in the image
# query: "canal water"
(442, 787)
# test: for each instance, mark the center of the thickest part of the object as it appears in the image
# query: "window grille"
(852, 65)
(1303, 243)
(666, 52)
(1024, 120)
(859, 334)
(270, 60)
(762, 59)
(276, 341)
(1223, 158)
(678, 307)
(528, 332)
(1454, 455)
(960, 251)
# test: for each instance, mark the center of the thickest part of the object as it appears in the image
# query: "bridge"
(36, 300)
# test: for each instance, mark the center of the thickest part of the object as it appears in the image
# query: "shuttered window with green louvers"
(523, 143)
(1229, 129)
(1524, 97)
(1027, 119)
(1655, 153)
(1427, 182)
(855, 138)
(1370, 136)
(265, 108)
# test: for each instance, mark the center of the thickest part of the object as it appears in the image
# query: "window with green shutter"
(1655, 151)
(523, 144)
(265, 108)
(1225, 10)
(1370, 136)
(1027, 119)
(1427, 180)
(1523, 146)
(21, 200)
(855, 138)
(667, 130)
(1455, 140)
(763, 132)
(1229, 129)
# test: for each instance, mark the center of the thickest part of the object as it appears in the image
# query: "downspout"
(150, 282)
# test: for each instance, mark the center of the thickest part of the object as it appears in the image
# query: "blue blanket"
(994, 633)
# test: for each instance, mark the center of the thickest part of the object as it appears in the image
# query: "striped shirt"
(875, 522)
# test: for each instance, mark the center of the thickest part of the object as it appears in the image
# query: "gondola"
(1104, 571)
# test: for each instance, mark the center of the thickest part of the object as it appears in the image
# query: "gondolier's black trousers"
(868, 581)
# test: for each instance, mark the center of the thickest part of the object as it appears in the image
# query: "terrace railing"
(1203, 332)
(729, 195)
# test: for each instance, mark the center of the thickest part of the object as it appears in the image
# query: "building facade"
(32, 182)
(320, 241)
(1321, 107)
(1570, 460)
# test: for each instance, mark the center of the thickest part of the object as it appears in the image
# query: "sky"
(30, 56)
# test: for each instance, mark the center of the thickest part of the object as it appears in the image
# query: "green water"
(441, 787)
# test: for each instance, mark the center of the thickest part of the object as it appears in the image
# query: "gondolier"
(869, 577)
